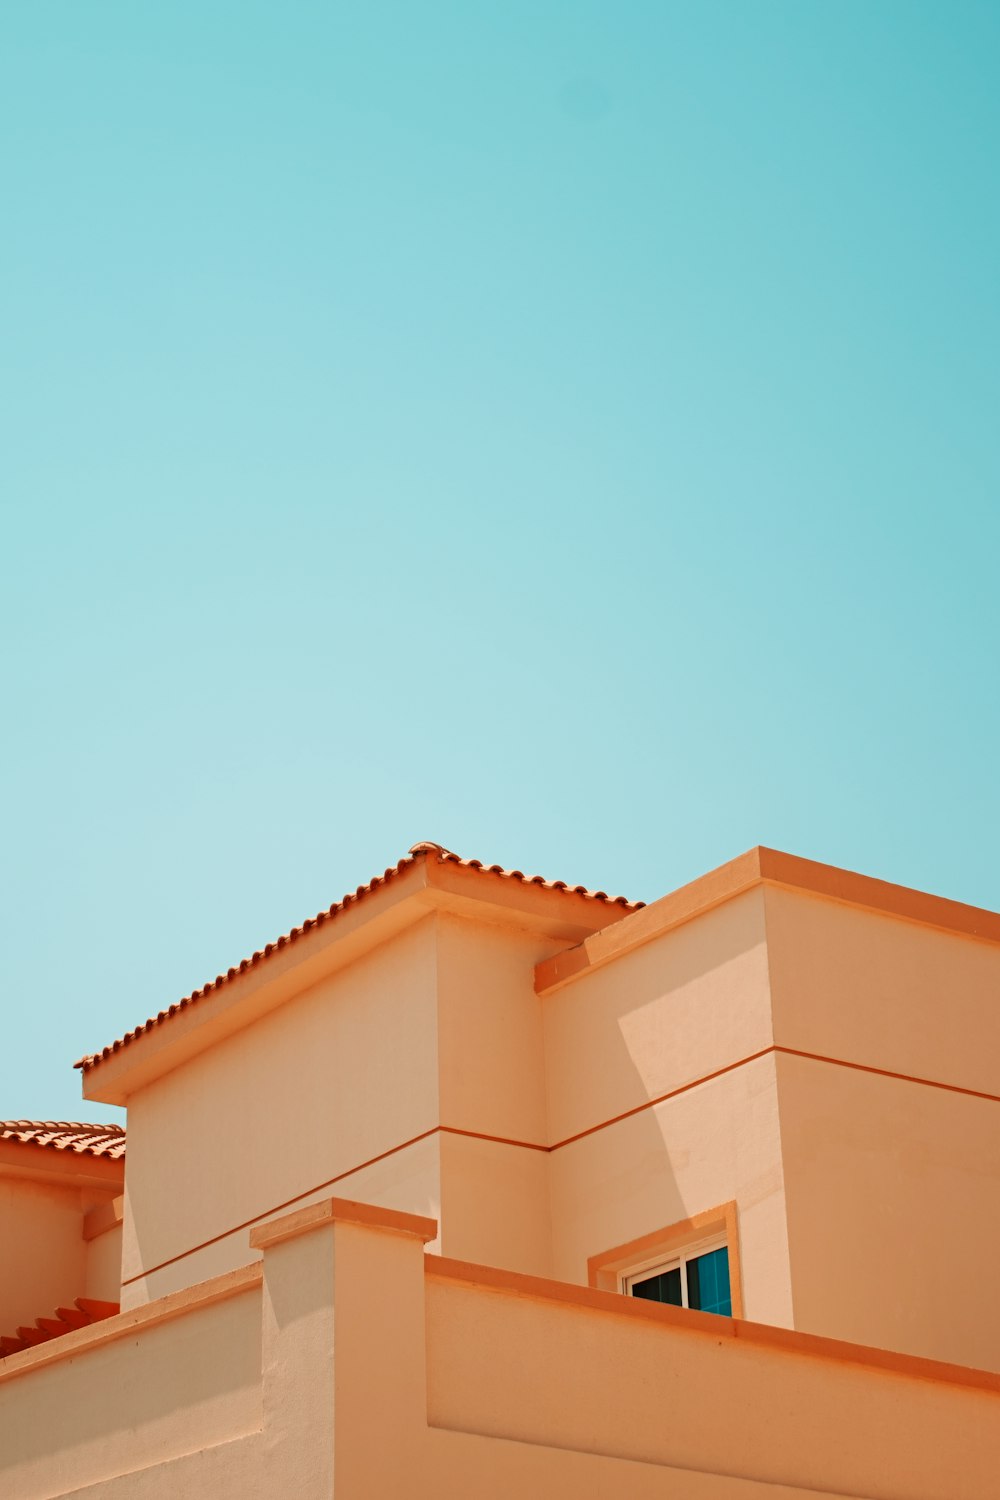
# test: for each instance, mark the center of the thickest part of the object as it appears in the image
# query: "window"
(698, 1278)
(694, 1263)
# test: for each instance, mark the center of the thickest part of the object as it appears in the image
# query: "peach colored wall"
(104, 1265)
(669, 1390)
(333, 1078)
(495, 1205)
(892, 1212)
(877, 990)
(350, 1364)
(43, 1260)
(661, 1062)
(675, 1011)
(710, 1145)
(442, 1025)
(892, 1219)
(490, 1029)
(409, 1179)
(181, 1386)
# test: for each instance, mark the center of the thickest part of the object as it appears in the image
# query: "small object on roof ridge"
(428, 846)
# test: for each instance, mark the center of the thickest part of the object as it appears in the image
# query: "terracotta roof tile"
(67, 1135)
(418, 851)
(86, 1311)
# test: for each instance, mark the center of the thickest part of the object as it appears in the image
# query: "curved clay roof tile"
(427, 848)
(67, 1135)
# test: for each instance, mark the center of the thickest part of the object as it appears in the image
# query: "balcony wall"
(349, 1364)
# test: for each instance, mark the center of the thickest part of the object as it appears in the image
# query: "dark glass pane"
(664, 1287)
(708, 1282)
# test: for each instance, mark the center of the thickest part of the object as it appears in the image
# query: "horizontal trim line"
(837, 1062)
(500, 1140)
(929, 1083)
(258, 1218)
(330, 1182)
(661, 1098)
(477, 1135)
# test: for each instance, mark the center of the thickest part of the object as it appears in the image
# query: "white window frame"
(658, 1264)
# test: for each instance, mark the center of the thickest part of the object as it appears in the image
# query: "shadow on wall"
(662, 1098)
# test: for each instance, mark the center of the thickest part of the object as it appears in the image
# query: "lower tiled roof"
(85, 1310)
(423, 850)
(67, 1135)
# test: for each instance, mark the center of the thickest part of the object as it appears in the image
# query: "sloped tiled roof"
(85, 1310)
(67, 1135)
(417, 851)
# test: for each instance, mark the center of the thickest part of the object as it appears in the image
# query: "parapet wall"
(347, 1363)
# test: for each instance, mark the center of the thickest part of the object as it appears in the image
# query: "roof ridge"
(424, 849)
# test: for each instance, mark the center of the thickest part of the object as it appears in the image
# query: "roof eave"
(229, 1007)
(763, 866)
(424, 885)
(31, 1162)
(506, 896)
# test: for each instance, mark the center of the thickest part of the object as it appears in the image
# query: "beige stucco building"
(479, 1185)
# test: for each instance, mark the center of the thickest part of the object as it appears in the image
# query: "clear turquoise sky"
(566, 431)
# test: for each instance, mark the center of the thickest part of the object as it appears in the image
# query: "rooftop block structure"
(539, 1181)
